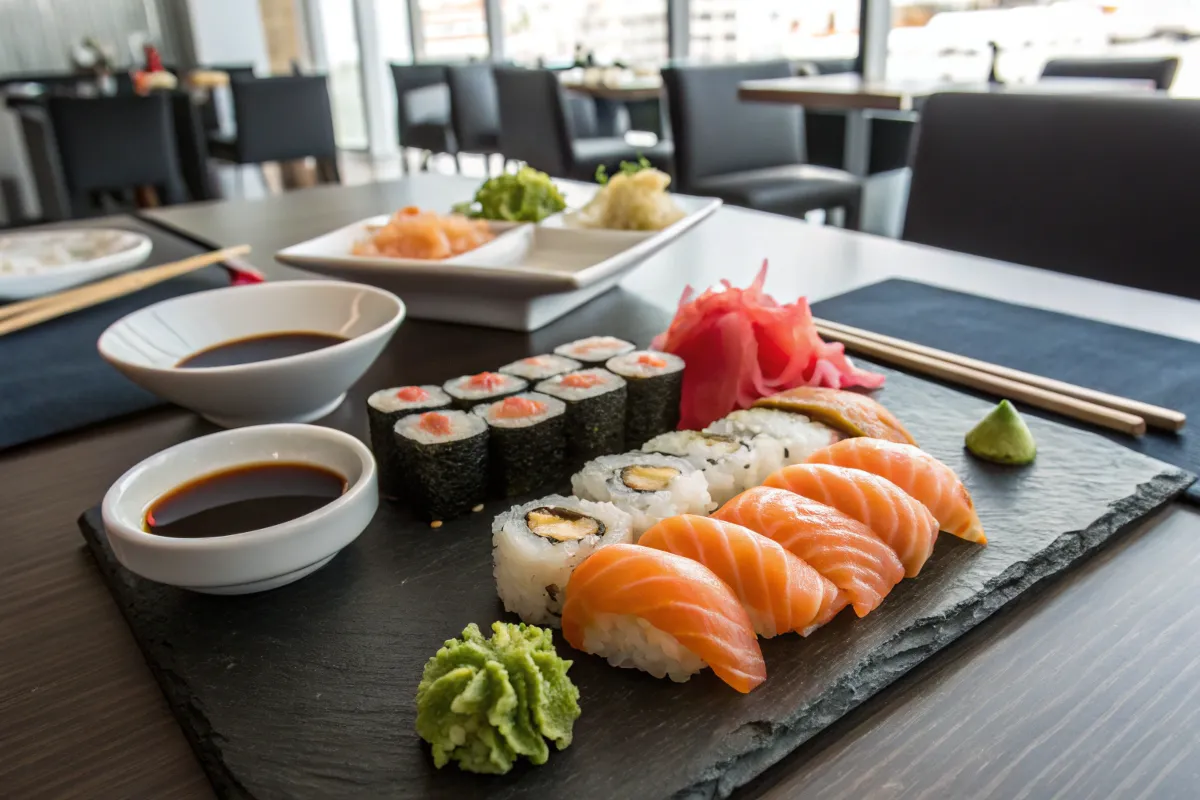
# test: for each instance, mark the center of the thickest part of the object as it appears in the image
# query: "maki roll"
(595, 401)
(384, 409)
(798, 436)
(730, 463)
(468, 391)
(538, 368)
(655, 386)
(444, 457)
(526, 441)
(594, 349)
(648, 486)
(536, 546)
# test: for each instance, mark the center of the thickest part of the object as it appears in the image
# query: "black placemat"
(308, 690)
(1143, 366)
(52, 379)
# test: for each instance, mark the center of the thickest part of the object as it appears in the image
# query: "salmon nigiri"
(839, 547)
(662, 613)
(780, 592)
(901, 521)
(916, 472)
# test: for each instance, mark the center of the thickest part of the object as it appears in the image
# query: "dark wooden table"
(1090, 688)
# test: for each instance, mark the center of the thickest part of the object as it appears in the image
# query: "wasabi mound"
(484, 702)
(1003, 437)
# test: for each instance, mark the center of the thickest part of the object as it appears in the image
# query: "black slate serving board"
(307, 691)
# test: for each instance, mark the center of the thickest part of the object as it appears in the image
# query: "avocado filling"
(646, 478)
(562, 525)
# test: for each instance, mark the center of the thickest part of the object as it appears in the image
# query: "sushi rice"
(594, 349)
(468, 391)
(730, 464)
(798, 436)
(648, 486)
(538, 368)
(629, 641)
(536, 546)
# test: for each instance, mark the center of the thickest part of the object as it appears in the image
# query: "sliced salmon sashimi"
(839, 547)
(780, 592)
(892, 514)
(917, 473)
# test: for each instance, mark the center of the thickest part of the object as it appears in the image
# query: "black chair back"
(281, 119)
(474, 107)
(1092, 185)
(533, 123)
(1160, 70)
(111, 143)
(422, 106)
(716, 134)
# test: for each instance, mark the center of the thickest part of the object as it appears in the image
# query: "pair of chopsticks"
(26, 314)
(1077, 402)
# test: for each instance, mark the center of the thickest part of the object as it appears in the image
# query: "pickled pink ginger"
(740, 345)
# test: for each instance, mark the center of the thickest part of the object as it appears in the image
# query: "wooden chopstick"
(1156, 416)
(1016, 391)
(28, 313)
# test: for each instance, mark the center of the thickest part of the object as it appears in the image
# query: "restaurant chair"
(536, 127)
(208, 110)
(114, 144)
(281, 119)
(1099, 186)
(1160, 70)
(423, 111)
(474, 110)
(748, 154)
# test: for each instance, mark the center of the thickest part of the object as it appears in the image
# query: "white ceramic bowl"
(256, 560)
(147, 344)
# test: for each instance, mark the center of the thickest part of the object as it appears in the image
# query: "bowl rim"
(399, 313)
(118, 524)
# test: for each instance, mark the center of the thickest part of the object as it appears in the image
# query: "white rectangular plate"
(528, 276)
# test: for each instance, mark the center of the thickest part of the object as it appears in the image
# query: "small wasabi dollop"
(484, 702)
(1003, 437)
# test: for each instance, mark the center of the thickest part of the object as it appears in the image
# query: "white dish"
(34, 263)
(256, 560)
(148, 344)
(528, 276)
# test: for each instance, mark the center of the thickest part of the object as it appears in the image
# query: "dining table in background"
(858, 97)
(81, 716)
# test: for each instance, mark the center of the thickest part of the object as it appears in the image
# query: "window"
(629, 31)
(950, 39)
(453, 30)
(735, 30)
(345, 84)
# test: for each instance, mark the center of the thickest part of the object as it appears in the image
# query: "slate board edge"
(187, 711)
(925, 637)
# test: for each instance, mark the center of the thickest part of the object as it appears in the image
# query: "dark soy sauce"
(242, 499)
(260, 348)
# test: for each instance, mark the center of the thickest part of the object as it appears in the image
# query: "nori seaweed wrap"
(444, 458)
(526, 442)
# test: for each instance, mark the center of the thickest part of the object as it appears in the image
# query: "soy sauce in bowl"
(244, 498)
(265, 347)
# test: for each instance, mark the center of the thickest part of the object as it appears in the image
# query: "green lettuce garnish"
(485, 702)
(527, 196)
(627, 168)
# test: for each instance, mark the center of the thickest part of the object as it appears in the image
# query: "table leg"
(858, 143)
